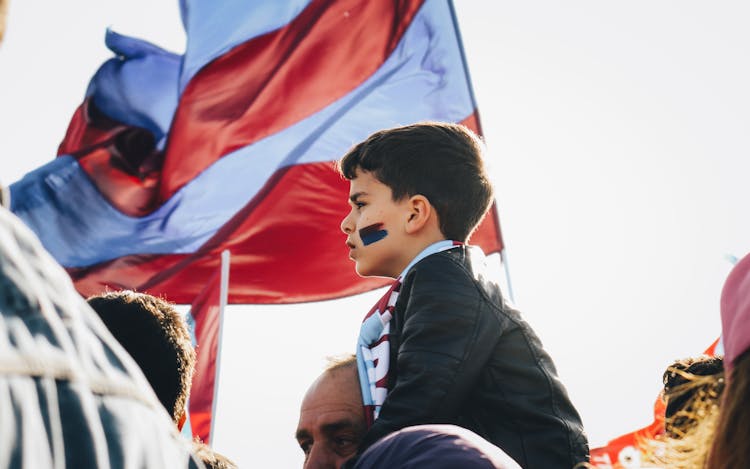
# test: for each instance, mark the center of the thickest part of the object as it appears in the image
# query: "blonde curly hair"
(690, 424)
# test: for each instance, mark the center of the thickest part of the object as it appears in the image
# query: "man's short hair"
(440, 161)
(156, 336)
(340, 362)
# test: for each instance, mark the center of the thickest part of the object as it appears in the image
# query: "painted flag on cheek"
(372, 234)
(173, 158)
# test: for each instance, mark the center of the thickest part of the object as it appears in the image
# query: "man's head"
(331, 420)
(411, 186)
(156, 336)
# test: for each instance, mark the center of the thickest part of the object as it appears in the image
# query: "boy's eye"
(359, 204)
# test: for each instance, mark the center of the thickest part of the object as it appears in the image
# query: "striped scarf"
(373, 348)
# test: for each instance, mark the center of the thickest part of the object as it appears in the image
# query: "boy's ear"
(419, 213)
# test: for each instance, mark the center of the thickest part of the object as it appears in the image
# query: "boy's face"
(375, 227)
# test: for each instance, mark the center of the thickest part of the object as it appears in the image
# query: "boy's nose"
(346, 225)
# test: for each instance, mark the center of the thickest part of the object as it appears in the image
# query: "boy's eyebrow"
(356, 196)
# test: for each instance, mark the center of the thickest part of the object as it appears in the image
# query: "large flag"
(206, 319)
(172, 158)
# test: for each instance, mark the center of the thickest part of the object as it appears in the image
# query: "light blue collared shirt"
(433, 248)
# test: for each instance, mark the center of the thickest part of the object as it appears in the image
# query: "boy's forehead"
(364, 183)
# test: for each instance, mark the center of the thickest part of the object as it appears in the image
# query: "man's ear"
(419, 212)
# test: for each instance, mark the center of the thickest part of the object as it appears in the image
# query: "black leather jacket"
(461, 355)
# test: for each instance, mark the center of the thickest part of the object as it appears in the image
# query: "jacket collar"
(433, 248)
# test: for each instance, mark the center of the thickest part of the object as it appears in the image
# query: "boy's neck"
(418, 240)
(423, 250)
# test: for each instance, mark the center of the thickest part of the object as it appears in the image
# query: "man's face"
(375, 227)
(331, 420)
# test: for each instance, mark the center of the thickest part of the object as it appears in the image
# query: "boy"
(442, 346)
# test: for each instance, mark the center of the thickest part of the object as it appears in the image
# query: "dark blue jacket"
(434, 447)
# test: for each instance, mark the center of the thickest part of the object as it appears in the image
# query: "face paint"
(373, 233)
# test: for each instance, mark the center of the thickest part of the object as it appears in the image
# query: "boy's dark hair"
(157, 338)
(440, 161)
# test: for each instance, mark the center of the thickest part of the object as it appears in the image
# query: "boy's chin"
(362, 271)
(371, 271)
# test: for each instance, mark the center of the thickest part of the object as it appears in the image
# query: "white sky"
(618, 134)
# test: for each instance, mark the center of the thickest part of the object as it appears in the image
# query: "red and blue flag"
(173, 158)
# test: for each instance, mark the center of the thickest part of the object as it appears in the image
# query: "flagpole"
(464, 61)
(223, 294)
(504, 261)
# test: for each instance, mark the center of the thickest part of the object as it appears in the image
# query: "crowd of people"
(446, 374)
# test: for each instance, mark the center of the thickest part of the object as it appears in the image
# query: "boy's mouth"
(351, 247)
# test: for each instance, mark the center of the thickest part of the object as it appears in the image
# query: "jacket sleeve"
(447, 337)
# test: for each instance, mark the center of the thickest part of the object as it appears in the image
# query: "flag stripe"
(200, 18)
(300, 61)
